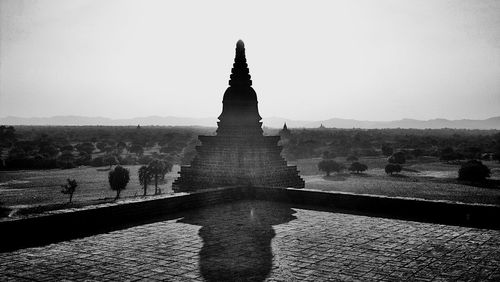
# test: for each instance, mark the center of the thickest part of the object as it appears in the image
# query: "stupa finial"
(240, 45)
(240, 75)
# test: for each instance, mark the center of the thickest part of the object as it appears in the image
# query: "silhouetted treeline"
(45, 147)
(471, 144)
(42, 147)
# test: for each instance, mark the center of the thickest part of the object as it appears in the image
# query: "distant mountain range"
(276, 122)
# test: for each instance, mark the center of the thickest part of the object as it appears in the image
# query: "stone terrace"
(265, 241)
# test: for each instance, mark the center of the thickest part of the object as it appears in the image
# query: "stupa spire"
(239, 154)
(240, 75)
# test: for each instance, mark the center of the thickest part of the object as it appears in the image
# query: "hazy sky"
(312, 60)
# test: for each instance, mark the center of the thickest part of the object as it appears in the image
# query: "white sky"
(310, 60)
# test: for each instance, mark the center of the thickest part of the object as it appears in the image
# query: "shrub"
(473, 170)
(357, 167)
(329, 166)
(391, 168)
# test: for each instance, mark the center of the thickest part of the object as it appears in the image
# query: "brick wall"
(64, 225)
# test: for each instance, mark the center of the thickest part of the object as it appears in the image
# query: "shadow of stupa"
(237, 239)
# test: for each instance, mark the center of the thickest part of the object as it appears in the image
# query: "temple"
(239, 153)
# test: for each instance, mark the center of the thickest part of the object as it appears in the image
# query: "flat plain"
(31, 191)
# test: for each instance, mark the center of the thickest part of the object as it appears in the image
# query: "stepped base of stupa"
(229, 160)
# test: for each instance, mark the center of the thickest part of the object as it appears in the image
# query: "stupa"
(239, 153)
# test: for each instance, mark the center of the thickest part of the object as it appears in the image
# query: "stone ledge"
(441, 212)
(73, 223)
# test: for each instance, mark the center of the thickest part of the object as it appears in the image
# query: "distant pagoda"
(239, 154)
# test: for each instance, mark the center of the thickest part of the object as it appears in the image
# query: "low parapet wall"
(443, 212)
(68, 224)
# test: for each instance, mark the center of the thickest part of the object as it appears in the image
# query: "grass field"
(21, 189)
(426, 178)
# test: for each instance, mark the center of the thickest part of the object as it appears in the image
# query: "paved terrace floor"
(265, 241)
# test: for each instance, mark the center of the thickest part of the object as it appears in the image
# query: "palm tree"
(144, 177)
(118, 179)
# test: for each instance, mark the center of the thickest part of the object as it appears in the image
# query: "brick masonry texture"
(265, 241)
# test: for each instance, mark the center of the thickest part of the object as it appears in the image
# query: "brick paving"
(265, 241)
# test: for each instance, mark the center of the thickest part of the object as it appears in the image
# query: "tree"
(145, 159)
(166, 169)
(358, 167)
(188, 154)
(387, 150)
(145, 177)
(329, 166)
(66, 160)
(417, 153)
(66, 147)
(471, 152)
(391, 168)
(326, 155)
(49, 150)
(158, 168)
(397, 158)
(69, 188)
(17, 153)
(120, 146)
(496, 156)
(473, 170)
(448, 154)
(136, 149)
(101, 146)
(86, 147)
(118, 179)
(83, 159)
(352, 158)
(110, 160)
(108, 149)
(7, 135)
(496, 150)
